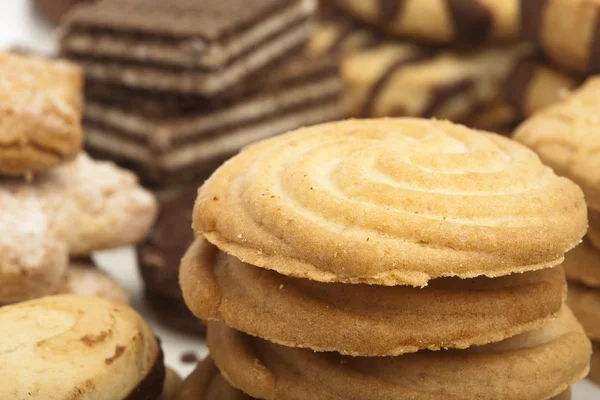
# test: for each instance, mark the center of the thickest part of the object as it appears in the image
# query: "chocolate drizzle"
(151, 387)
(390, 10)
(518, 82)
(379, 85)
(594, 62)
(472, 22)
(444, 93)
(531, 18)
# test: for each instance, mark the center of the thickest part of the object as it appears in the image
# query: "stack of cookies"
(454, 60)
(567, 137)
(385, 259)
(58, 205)
(175, 89)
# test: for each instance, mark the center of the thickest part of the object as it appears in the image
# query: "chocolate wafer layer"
(186, 46)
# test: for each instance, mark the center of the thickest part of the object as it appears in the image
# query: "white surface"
(19, 25)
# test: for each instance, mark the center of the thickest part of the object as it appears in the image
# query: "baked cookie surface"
(84, 279)
(582, 264)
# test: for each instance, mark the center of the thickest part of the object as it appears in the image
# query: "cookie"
(33, 260)
(85, 280)
(189, 47)
(594, 228)
(207, 383)
(390, 201)
(78, 346)
(159, 257)
(340, 34)
(536, 365)
(498, 117)
(56, 9)
(40, 110)
(582, 264)
(594, 366)
(403, 79)
(461, 23)
(366, 320)
(566, 136)
(585, 303)
(170, 139)
(172, 387)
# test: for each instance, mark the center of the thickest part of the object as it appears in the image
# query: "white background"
(20, 25)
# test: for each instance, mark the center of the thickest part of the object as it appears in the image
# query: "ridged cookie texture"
(366, 320)
(585, 303)
(390, 201)
(537, 365)
(566, 136)
(75, 347)
(40, 113)
(582, 264)
(465, 23)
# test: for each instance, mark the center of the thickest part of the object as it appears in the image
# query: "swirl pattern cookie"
(366, 320)
(566, 136)
(40, 113)
(81, 347)
(390, 201)
(536, 365)
(465, 23)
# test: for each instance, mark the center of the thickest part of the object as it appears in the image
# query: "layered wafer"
(185, 46)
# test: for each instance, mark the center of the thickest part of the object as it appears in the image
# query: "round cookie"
(366, 320)
(159, 257)
(463, 23)
(65, 346)
(585, 303)
(582, 264)
(40, 113)
(207, 383)
(82, 278)
(566, 136)
(33, 260)
(536, 365)
(390, 201)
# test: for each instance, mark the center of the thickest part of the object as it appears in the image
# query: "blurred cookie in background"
(84, 279)
(55, 10)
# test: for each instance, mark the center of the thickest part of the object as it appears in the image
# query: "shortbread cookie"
(582, 264)
(203, 47)
(403, 79)
(33, 260)
(566, 136)
(207, 383)
(94, 205)
(585, 303)
(594, 366)
(366, 320)
(159, 257)
(390, 201)
(40, 113)
(462, 23)
(536, 365)
(85, 280)
(65, 346)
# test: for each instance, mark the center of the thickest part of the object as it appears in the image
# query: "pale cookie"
(33, 260)
(536, 366)
(85, 280)
(585, 303)
(390, 201)
(464, 23)
(40, 113)
(67, 347)
(566, 135)
(366, 320)
(582, 264)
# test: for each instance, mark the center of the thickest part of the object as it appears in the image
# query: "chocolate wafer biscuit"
(184, 46)
(169, 139)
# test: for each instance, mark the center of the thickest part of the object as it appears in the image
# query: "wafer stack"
(380, 259)
(173, 90)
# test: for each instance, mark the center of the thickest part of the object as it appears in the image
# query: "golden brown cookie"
(85, 280)
(78, 347)
(595, 364)
(566, 135)
(390, 201)
(33, 260)
(536, 365)
(463, 23)
(594, 228)
(366, 320)
(585, 303)
(582, 264)
(40, 113)
(173, 385)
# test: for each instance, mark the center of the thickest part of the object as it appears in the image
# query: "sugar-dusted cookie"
(585, 303)
(582, 264)
(366, 320)
(82, 278)
(33, 260)
(465, 23)
(83, 347)
(390, 201)
(536, 365)
(40, 113)
(566, 136)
